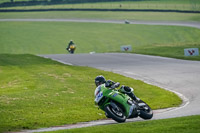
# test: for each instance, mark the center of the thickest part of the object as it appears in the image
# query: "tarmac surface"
(179, 76)
(175, 23)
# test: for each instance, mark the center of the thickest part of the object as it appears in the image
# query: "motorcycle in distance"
(120, 106)
(71, 49)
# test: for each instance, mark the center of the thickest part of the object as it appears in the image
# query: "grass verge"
(189, 124)
(53, 37)
(159, 16)
(37, 92)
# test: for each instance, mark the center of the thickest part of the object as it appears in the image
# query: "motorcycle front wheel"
(115, 113)
(145, 111)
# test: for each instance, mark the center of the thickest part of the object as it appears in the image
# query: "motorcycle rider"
(109, 83)
(71, 43)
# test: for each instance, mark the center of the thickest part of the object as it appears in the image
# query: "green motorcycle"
(120, 106)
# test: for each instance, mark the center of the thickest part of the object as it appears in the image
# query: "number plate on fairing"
(99, 96)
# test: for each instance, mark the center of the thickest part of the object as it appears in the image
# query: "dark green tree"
(56, 0)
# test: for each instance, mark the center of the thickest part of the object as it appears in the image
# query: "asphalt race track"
(180, 76)
(175, 23)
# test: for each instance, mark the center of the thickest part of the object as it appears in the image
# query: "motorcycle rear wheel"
(145, 112)
(115, 114)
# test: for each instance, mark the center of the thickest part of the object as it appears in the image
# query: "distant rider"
(124, 89)
(71, 47)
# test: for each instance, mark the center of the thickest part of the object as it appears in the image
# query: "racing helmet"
(99, 80)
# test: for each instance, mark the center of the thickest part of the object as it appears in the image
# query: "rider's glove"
(109, 83)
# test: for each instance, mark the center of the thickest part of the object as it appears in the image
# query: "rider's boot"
(129, 91)
(132, 96)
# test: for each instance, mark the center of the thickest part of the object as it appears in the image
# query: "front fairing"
(100, 92)
(122, 99)
(111, 94)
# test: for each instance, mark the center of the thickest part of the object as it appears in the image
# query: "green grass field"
(160, 16)
(189, 124)
(37, 92)
(53, 37)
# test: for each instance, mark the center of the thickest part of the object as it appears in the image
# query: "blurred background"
(191, 5)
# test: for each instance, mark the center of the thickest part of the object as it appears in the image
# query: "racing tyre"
(145, 111)
(115, 113)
